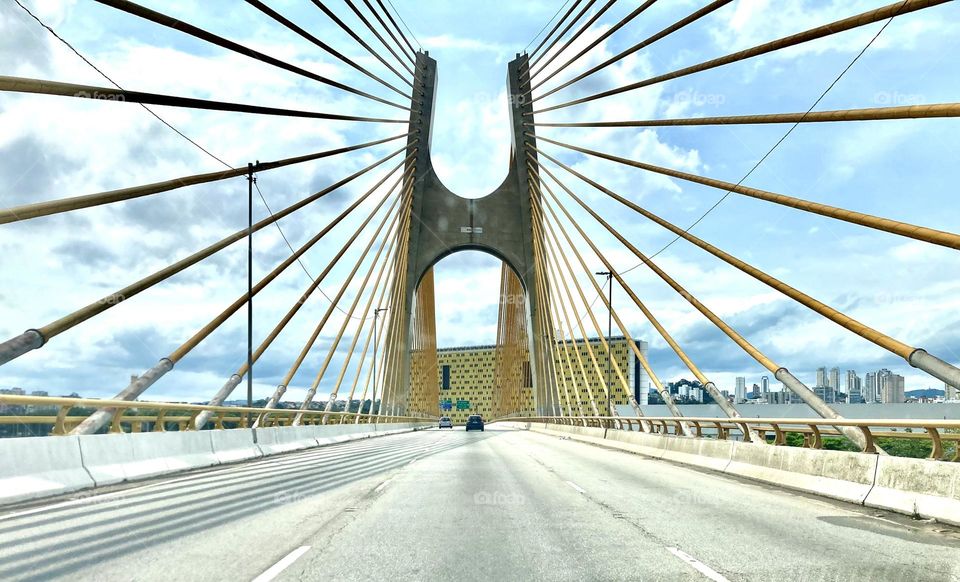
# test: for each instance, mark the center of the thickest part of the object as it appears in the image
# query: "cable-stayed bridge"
(352, 486)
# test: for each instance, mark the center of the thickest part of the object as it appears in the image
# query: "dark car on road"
(475, 422)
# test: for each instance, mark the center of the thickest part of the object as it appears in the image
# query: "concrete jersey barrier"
(34, 467)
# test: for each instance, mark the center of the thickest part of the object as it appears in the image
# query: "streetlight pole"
(376, 315)
(609, 276)
(251, 180)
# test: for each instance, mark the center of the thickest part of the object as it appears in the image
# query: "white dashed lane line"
(274, 571)
(698, 565)
(576, 487)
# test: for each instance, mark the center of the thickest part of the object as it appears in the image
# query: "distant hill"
(925, 393)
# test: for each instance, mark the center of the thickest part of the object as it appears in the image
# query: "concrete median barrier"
(234, 445)
(35, 467)
(114, 458)
(919, 487)
(837, 474)
(283, 439)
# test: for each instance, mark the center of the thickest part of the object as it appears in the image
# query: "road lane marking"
(274, 571)
(576, 487)
(698, 565)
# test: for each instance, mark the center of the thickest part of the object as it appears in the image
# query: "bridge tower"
(500, 223)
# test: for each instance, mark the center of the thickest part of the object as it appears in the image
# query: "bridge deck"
(497, 505)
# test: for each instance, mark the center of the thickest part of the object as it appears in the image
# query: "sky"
(55, 147)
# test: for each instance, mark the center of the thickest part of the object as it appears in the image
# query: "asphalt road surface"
(451, 505)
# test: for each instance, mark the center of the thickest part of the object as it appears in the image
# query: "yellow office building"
(467, 378)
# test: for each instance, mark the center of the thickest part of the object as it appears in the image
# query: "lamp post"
(376, 315)
(609, 276)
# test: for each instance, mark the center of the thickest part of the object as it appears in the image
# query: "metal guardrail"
(813, 430)
(239, 416)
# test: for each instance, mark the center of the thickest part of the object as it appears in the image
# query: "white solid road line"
(700, 566)
(282, 565)
(576, 487)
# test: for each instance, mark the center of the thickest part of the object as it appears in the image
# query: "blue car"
(475, 422)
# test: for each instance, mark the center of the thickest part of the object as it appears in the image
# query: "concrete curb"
(53, 467)
(917, 487)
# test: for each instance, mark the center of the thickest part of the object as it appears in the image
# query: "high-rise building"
(764, 384)
(822, 377)
(835, 379)
(950, 392)
(826, 393)
(740, 392)
(854, 388)
(870, 387)
(882, 375)
(892, 389)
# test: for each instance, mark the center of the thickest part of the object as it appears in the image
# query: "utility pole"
(251, 180)
(376, 315)
(609, 276)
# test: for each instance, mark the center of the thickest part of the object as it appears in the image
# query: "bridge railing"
(136, 414)
(937, 431)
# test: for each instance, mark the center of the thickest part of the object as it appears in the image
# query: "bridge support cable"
(921, 233)
(103, 416)
(110, 94)
(324, 46)
(35, 338)
(402, 49)
(362, 362)
(930, 111)
(343, 26)
(376, 33)
(425, 380)
(916, 357)
(511, 377)
(535, 59)
(196, 32)
(586, 26)
(691, 18)
(295, 366)
(394, 367)
(602, 378)
(552, 324)
(235, 379)
(664, 393)
(396, 27)
(613, 29)
(393, 331)
(728, 408)
(361, 290)
(661, 389)
(862, 19)
(38, 209)
(780, 373)
(553, 30)
(560, 306)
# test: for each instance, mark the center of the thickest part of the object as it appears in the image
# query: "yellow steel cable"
(37, 209)
(583, 332)
(930, 111)
(862, 19)
(68, 321)
(930, 235)
(288, 377)
(346, 321)
(538, 242)
(730, 410)
(664, 393)
(847, 322)
(178, 353)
